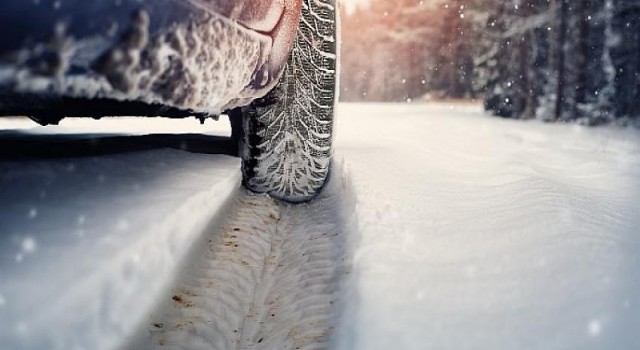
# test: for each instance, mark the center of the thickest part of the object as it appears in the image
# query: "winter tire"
(288, 134)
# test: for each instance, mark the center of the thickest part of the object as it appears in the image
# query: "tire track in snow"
(269, 278)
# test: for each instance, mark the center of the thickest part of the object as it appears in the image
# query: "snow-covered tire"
(288, 134)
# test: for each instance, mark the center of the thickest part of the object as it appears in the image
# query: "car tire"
(287, 146)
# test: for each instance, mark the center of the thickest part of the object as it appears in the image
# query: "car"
(268, 64)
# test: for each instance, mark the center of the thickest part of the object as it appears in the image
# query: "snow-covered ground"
(441, 229)
(88, 244)
(482, 233)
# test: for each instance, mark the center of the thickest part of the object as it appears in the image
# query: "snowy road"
(441, 229)
(482, 233)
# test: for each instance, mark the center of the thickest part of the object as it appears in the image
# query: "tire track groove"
(269, 278)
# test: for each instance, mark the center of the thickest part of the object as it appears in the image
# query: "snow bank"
(87, 245)
(482, 233)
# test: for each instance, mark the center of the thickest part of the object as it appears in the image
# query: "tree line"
(555, 60)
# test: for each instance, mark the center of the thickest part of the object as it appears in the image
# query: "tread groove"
(289, 157)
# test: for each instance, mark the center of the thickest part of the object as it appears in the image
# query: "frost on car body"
(190, 55)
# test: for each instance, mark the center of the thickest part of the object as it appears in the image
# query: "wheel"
(287, 146)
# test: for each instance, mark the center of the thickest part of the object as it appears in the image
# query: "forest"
(554, 60)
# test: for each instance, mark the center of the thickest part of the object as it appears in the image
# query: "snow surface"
(88, 244)
(471, 232)
(483, 233)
